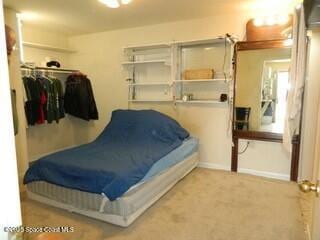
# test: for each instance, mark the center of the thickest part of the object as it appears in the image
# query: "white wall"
(47, 138)
(100, 55)
(311, 103)
(264, 158)
(44, 37)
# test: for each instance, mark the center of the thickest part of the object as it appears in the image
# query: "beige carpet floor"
(205, 205)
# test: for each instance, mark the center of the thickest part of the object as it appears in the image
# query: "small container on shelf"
(187, 97)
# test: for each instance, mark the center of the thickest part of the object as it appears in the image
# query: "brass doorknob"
(307, 186)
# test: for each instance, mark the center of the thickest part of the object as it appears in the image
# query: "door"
(314, 186)
(316, 212)
(9, 203)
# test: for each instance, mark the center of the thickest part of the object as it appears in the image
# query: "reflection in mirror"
(275, 83)
(261, 89)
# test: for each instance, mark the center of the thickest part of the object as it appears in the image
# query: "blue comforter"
(118, 159)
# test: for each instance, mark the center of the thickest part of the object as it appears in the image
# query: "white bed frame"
(110, 218)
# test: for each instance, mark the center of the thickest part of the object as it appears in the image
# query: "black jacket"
(78, 99)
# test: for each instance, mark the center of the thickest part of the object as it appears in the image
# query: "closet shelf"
(201, 102)
(151, 84)
(48, 47)
(47, 69)
(145, 62)
(203, 80)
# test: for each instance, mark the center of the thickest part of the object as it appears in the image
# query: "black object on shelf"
(223, 97)
(53, 64)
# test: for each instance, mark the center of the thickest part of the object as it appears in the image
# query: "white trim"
(272, 175)
(213, 166)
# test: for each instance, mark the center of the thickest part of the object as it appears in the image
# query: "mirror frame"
(257, 135)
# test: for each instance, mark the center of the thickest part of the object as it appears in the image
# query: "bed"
(128, 193)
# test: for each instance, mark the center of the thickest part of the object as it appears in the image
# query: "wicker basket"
(198, 74)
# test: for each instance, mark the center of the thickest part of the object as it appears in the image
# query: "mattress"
(135, 200)
(188, 147)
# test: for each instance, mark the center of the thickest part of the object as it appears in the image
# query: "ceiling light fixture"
(125, 2)
(283, 19)
(115, 3)
(258, 22)
(271, 20)
(110, 3)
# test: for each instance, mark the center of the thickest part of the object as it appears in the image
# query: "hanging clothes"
(59, 98)
(32, 101)
(44, 100)
(49, 107)
(79, 99)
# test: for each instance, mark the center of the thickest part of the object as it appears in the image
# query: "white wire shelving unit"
(135, 58)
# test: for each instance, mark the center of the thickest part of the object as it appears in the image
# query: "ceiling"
(87, 16)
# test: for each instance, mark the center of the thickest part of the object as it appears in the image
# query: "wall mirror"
(262, 70)
(262, 82)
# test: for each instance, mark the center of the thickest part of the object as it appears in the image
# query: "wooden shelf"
(48, 47)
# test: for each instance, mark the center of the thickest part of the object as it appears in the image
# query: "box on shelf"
(194, 74)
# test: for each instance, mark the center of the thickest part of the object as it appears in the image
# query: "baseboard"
(215, 166)
(278, 176)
